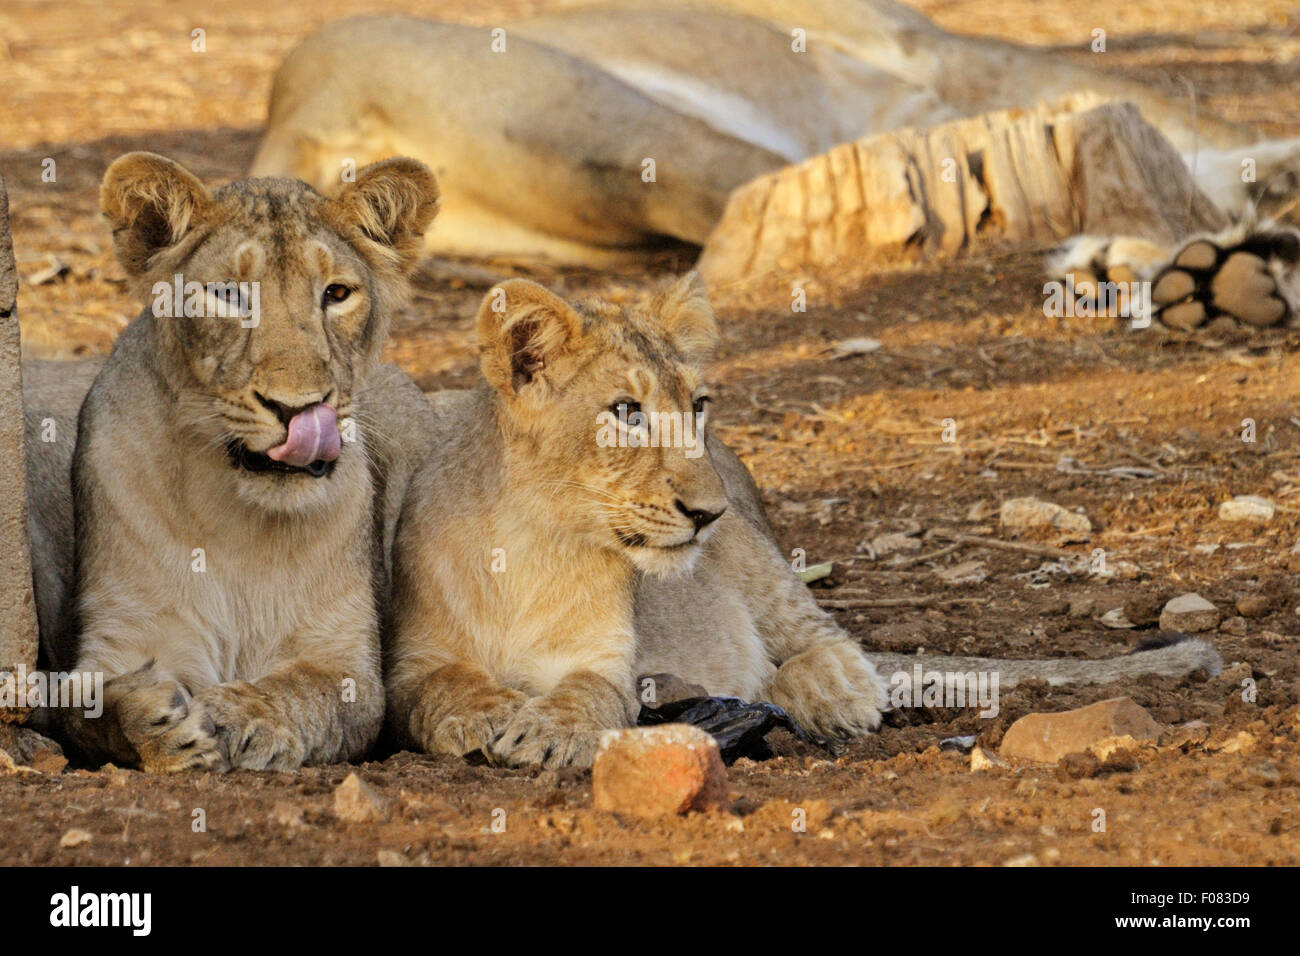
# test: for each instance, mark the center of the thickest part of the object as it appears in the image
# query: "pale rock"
(1247, 508)
(1188, 614)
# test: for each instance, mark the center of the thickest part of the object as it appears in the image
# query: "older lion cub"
(229, 520)
(576, 525)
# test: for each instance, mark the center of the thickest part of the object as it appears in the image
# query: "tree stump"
(991, 183)
(18, 634)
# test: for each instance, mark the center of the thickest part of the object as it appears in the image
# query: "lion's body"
(541, 576)
(223, 580)
(544, 134)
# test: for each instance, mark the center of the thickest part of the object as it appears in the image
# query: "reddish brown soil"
(845, 449)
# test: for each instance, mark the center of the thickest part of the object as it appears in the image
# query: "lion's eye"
(701, 404)
(334, 294)
(624, 410)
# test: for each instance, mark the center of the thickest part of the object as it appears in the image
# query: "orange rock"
(655, 771)
(1049, 737)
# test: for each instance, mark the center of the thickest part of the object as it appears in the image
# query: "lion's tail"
(1177, 659)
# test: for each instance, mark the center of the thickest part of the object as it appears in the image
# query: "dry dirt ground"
(846, 449)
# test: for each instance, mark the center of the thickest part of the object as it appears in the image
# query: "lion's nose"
(699, 517)
(284, 410)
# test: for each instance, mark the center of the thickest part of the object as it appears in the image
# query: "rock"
(1124, 744)
(1241, 742)
(1142, 610)
(17, 603)
(1187, 735)
(47, 761)
(1233, 675)
(967, 572)
(1114, 618)
(896, 543)
(1253, 606)
(1234, 626)
(1022, 513)
(1048, 737)
(392, 858)
(74, 838)
(355, 801)
(981, 759)
(1084, 605)
(1247, 508)
(656, 771)
(26, 746)
(847, 347)
(1189, 613)
(1273, 637)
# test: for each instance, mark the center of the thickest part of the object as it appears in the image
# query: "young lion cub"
(576, 525)
(228, 526)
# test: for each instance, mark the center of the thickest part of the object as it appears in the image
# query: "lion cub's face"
(604, 411)
(271, 304)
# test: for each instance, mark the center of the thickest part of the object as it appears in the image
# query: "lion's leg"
(1249, 275)
(823, 678)
(456, 708)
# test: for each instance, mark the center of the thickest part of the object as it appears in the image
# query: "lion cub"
(576, 525)
(228, 516)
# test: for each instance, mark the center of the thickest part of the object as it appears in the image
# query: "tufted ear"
(683, 312)
(386, 211)
(522, 330)
(152, 203)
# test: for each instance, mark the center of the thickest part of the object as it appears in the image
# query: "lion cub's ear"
(683, 312)
(387, 209)
(522, 330)
(152, 203)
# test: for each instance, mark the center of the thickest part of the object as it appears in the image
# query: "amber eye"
(334, 294)
(624, 409)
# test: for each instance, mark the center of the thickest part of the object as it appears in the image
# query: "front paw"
(467, 726)
(550, 733)
(831, 690)
(166, 731)
(250, 731)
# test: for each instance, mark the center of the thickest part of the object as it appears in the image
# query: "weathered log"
(996, 182)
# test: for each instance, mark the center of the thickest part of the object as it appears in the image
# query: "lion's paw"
(471, 727)
(831, 690)
(251, 733)
(1243, 280)
(550, 734)
(167, 732)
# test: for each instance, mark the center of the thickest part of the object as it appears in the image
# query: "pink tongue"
(313, 436)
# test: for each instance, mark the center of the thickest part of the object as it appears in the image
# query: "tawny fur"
(234, 615)
(539, 573)
(713, 92)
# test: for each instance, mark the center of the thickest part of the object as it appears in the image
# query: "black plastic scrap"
(740, 728)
